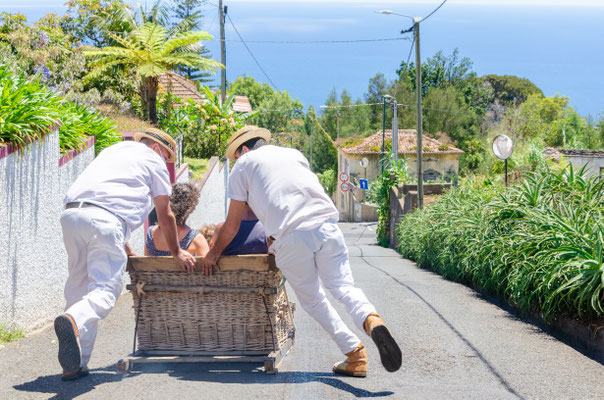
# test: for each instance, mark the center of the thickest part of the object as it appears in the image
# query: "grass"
(197, 166)
(10, 334)
(122, 121)
(538, 244)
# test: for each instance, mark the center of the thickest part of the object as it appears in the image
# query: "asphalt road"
(455, 345)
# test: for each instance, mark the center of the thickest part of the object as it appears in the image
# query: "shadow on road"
(70, 390)
(249, 373)
(217, 373)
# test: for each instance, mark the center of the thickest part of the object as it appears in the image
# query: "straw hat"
(160, 137)
(243, 135)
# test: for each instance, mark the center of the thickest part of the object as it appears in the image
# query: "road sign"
(364, 162)
(344, 177)
(345, 187)
(363, 184)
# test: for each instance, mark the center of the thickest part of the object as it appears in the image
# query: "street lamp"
(418, 97)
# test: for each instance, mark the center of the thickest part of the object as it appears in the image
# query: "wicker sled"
(240, 314)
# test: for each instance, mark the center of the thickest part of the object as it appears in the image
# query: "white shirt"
(123, 179)
(281, 189)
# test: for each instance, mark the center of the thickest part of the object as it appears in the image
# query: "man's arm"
(129, 251)
(225, 236)
(167, 224)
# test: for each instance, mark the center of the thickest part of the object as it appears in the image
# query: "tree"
(276, 109)
(511, 90)
(188, 10)
(438, 70)
(256, 91)
(378, 87)
(152, 51)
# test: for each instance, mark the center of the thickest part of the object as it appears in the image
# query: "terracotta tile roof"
(186, 89)
(407, 144)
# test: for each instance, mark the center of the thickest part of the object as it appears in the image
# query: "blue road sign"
(363, 183)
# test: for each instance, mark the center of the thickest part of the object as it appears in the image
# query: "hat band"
(161, 139)
(241, 134)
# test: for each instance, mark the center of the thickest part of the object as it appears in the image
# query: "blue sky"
(555, 43)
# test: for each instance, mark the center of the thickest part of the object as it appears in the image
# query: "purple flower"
(42, 69)
(43, 39)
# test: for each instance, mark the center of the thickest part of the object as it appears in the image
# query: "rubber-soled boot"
(390, 353)
(355, 363)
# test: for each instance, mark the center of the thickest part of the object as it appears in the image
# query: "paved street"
(455, 346)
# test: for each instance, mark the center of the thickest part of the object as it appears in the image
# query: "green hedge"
(538, 244)
(29, 111)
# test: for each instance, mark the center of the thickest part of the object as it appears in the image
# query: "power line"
(334, 41)
(406, 66)
(318, 41)
(435, 10)
(251, 54)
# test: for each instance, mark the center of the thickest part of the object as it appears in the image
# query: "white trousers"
(94, 239)
(306, 256)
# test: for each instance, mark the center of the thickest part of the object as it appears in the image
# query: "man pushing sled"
(301, 222)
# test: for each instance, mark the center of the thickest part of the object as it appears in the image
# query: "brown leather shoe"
(390, 353)
(355, 363)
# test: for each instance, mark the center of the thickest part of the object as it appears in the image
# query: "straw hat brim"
(243, 135)
(161, 138)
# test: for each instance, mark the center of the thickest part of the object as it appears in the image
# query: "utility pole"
(383, 134)
(337, 123)
(222, 16)
(312, 129)
(418, 95)
(394, 130)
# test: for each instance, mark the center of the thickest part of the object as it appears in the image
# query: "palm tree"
(151, 50)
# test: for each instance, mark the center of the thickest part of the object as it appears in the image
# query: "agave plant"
(27, 109)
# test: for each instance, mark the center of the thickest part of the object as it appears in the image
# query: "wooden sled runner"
(240, 314)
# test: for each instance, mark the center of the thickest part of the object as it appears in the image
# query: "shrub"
(538, 244)
(328, 180)
(206, 127)
(379, 193)
(28, 111)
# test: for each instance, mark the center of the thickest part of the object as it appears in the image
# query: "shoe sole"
(80, 374)
(353, 374)
(390, 353)
(69, 349)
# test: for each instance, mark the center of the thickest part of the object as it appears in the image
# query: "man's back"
(280, 188)
(123, 179)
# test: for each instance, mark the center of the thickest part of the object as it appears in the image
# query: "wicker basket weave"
(231, 311)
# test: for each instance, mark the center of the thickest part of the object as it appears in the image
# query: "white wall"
(211, 207)
(595, 165)
(33, 261)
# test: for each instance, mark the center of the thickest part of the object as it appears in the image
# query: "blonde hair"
(208, 232)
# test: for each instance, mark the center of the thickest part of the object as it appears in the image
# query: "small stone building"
(593, 160)
(440, 163)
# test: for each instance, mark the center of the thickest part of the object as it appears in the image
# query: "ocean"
(560, 48)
